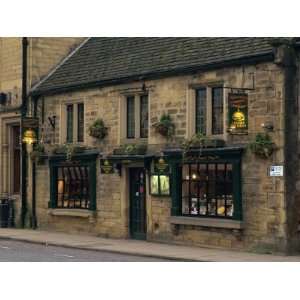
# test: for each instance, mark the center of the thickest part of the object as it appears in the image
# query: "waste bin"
(6, 212)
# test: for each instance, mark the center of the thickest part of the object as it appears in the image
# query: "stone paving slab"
(141, 248)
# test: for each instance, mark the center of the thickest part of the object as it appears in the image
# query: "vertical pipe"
(23, 146)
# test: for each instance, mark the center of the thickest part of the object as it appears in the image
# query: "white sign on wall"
(276, 171)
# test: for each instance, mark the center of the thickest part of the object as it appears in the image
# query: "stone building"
(19, 57)
(180, 140)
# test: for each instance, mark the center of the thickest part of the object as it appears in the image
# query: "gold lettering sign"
(106, 167)
(238, 113)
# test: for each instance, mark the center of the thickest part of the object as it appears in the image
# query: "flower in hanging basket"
(262, 145)
(98, 130)
(165, 126)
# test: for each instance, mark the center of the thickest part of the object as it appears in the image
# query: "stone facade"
(263, 197)
(43, 55)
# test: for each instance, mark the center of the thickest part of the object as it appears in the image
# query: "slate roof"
(103, 61)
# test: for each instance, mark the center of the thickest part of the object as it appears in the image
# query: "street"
(15, 251)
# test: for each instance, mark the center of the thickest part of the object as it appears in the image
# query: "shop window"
(137, 117)
(74, 123)
(208, 111)
(73, 186)
(160, 185)
(207, 190)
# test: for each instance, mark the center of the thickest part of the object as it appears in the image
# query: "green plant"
(98, 129)
(131, 149)
(165, 126)
(69, 150)
(262, 145)
(38, 151)
(200, 141)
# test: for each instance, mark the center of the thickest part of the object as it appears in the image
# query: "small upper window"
(209, 111)
(74, 123)
(137, 117)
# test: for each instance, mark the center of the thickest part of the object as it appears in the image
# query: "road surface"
(15, 251)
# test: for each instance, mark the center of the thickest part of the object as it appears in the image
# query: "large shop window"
(207, 190)
(207, 184)
(73, 185)
(209, 111)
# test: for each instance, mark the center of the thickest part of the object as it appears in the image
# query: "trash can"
(6, 212)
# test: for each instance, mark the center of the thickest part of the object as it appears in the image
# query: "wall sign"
(106, 166)
(276, 171)
(238, 113)
(161, 167)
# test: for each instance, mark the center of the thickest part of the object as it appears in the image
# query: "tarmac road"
(15, 251)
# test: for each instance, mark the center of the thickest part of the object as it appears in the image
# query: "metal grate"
(73, 187)
(207, 190)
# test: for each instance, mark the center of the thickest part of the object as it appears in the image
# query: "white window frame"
(191, 110)
(63, 121)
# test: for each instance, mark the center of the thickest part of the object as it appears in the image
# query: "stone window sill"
(207, 222)
(82, 213)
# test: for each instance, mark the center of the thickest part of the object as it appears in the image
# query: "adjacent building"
(23, 63)
(181, 140)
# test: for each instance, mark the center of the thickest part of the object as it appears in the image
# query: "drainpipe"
(23, 146)
(34, 219)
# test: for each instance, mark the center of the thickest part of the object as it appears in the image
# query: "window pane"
(80, 124)
(70, 123)
(207, 189)
(201, 111)
(144, 116)
(130, 117)
(217, 110)
(72, 187)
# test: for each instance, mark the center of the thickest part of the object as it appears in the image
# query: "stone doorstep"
(207, 222)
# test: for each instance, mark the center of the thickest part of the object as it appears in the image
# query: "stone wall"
(264, 214)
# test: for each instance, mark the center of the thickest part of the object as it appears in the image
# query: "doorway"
(137, 196)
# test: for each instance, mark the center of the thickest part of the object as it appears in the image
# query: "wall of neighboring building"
(43, 55)
(264, 214)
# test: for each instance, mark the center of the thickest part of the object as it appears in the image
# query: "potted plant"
(98, 130)
(165, 126)
(262, 145)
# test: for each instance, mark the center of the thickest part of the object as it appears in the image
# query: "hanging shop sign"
(106, 166)
(238, 113)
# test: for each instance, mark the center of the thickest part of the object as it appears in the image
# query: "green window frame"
(213, 157)
(83, 161)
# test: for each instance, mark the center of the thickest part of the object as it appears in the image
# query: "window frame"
(64, 120)
(191, 109)
(84, 160)
(230, 156)
(124, 120)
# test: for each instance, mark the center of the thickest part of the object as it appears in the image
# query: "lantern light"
(29, 137)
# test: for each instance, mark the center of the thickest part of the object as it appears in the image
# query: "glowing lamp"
(29, 137)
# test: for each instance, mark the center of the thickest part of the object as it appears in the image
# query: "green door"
(137, 192)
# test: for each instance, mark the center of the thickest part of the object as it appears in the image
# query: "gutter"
(267, 56)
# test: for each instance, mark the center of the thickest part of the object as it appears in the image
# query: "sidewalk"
(141, 248)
